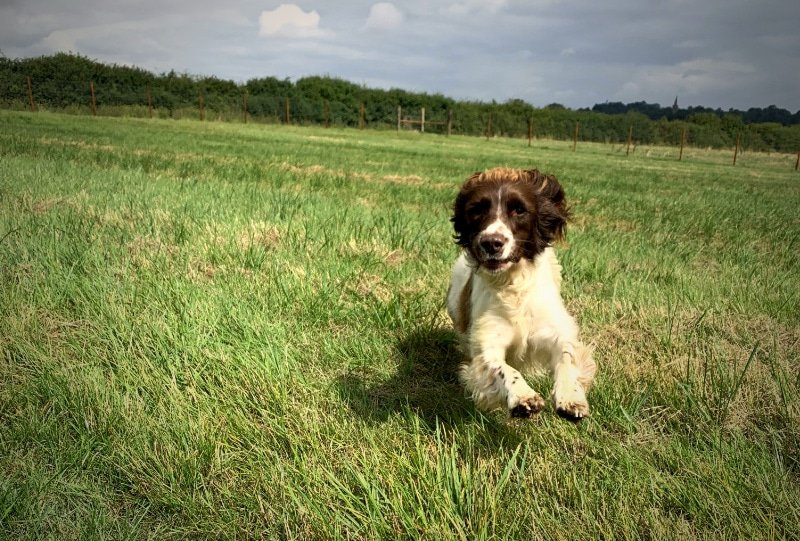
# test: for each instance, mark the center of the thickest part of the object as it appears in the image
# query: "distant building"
(675, 105)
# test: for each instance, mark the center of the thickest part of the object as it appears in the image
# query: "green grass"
(227, 331)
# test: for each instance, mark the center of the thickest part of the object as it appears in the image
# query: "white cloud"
(466, 7)
(63, 40)
(383, 16)
(290, 21)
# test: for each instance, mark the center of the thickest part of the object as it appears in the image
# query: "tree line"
(655, 111)
(61, 82)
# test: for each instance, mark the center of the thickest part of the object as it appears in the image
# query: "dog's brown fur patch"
(464, 307)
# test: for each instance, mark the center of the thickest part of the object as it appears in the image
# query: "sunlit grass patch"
(214, 330)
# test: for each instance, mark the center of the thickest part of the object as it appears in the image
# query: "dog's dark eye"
(517, 209)
(477, 209)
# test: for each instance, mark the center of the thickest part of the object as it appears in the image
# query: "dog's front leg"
(493, 383)
(573, 372)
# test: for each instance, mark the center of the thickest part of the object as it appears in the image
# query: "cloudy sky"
(717, 53)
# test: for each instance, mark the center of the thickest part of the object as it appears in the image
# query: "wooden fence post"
(736, 150)
(94, 102)
(683, 138)
(489, 127)
(630, 136)
(575, 138)
(530, 130)
(288, 113)
(244, 107)
(422, 119)
(327, 112)
(797, 163)
(399, 117)
(361, 113)
(30, 95)
(201, 105)
(449, 122)
(149, 102)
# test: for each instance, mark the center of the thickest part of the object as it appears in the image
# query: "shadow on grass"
(425, 384)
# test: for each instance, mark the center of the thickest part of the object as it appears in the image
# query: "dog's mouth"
(497, 265)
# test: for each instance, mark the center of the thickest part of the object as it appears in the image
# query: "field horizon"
(217, 330)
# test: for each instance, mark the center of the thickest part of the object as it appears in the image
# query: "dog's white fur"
(518, 324)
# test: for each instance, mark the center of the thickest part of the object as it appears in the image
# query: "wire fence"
(472, 119)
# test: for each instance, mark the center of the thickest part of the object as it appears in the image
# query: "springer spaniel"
(504, 297)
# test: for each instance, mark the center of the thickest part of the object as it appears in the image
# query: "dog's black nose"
(492, 244)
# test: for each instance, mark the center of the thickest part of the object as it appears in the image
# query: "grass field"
(224, 331)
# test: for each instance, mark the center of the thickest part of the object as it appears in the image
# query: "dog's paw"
(528, 406)
(569, 400)
(573, 411)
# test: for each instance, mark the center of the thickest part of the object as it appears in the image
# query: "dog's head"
(502, 216)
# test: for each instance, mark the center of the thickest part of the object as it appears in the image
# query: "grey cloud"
(736, 53)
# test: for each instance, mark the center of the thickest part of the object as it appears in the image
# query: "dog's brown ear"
(459, 218)
(551, 205)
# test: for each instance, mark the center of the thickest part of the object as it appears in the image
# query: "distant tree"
(62, 81)
(770, 114)
(611, 108)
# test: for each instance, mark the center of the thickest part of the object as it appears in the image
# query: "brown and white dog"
(505, 299)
